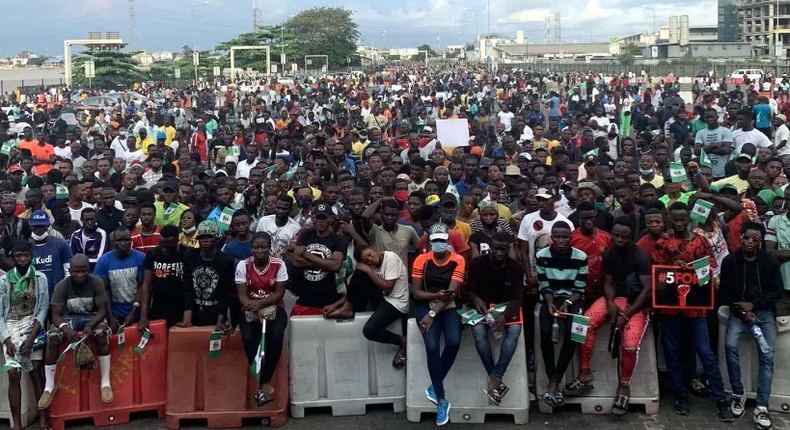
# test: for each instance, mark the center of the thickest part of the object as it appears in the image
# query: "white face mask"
(39, 237)
(189, 230)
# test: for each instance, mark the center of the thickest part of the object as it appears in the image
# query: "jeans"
(376, 327)
(440, 361)
(483, 345)
(555, 370)
(251, 338)
(735, 329)
(696, 328)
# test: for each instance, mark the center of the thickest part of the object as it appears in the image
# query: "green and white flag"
(11, 364)
(234, 150)
(257, 365)
(61, 192)
(225, 217)
(704, 160)
(171, 209)
(702, 269)
(470, 316)
(71, 346)
(579, 328)
(7, 145)
(121, 337)
(484, 201)
(701, 210)
(215, 344)
(677, 172)
(291, 172)
(593, 152)
(143, 342)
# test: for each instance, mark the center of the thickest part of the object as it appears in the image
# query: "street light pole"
(194, 35)
(654, 16)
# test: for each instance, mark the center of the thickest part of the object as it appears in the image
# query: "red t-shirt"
(594, 246)
(260, 283)
(669, 250)
(455, 240)
(145, 242)
(647, 244)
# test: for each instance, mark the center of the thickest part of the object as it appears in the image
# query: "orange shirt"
(39, 152)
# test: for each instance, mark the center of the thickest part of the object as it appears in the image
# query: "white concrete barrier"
(29, 401)
(332, 364)
(644, 383)
(466, 381)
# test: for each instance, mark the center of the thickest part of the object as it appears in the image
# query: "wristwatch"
(432, 314)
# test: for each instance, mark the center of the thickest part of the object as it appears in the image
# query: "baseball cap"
(438, 231)
(485, 162)
(231, 159)
(432, 200)
(298, 185)
(591, 159)
(744, 157)
(15, 168)
(544, 193)
(512, 171)
(448, 198)
(170, 185)
(476, 150)
(590, 186)
(721, 188)
(404, 177)
(38, 219)
(207, 228)
(161, 135)
(322, 208)
(767, 196)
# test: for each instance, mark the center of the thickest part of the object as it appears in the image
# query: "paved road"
(380, 418)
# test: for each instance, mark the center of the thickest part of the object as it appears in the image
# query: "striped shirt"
(561, 275)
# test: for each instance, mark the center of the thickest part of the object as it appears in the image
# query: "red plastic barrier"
(208, 389)
(138, 382)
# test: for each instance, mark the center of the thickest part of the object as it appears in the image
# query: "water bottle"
(760, 338)
(555, 332)
(489, 319)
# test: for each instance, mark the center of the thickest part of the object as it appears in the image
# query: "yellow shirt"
(464, 229)
(145, 144)
(658, 181)
(504, 212)
(170, 132)
(358, 147)
(741, 184)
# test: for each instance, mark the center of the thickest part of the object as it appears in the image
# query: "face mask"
(401, 196)
(189, 230)
(448, 218)
(439, 247)
(645, 171)
(305, 202)
(39, 237)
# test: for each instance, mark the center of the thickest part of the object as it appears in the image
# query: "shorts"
(78, 323)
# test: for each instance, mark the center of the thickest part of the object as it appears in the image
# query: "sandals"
(698, 388)
(343, 313)
(620, 405)
(399, 361)
(494, 396)
(554, 399)
(577, 388)
(261, 397)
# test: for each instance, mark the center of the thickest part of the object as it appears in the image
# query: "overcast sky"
(42, 25)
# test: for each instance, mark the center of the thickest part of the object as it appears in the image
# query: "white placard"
(452, 132)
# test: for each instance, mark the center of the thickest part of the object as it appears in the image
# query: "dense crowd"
(207, 206)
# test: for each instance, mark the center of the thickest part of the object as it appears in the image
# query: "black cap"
(171, 185)
(448, 198)
(323, 208)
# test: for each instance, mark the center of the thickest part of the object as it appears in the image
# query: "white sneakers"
(737, 405)
(762, 418)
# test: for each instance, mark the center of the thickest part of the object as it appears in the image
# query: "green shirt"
(779, 231)
(684, 197)
(169, 217)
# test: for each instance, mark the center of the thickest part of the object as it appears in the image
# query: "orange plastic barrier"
(138, 382)
(199, 387)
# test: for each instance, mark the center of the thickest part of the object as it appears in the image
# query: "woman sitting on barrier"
(24, 300)
(260, 284)
(386, 272)
(436, 277)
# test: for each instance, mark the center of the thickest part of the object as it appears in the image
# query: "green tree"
(421, 55)
(114, 69)
(628, 54)
(264, 36)
(326, 31)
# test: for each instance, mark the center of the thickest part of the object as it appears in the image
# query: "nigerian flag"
(704, 160)
(677, 172)
(701, 210)
(702, 269)
(11, 364)
(579, 327)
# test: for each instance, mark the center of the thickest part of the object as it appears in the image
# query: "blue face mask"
(439, 247)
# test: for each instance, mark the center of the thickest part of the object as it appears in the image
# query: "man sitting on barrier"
(562, 275)
(436, 277)
(626, 295)
(24, 300)
(260, 284)
(78, 303)
(385, 272)
(495, 278)
(751, 284)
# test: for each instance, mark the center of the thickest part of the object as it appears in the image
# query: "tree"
(326, 31)
(264, 36)
(421, 55)
(628, 54)
(114, 69)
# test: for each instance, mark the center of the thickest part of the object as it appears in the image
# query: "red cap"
(476, 150)
(15, 168)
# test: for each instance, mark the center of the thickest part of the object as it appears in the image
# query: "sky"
(42, 25)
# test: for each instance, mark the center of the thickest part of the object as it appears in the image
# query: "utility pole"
(132, 25)
(257, 17)
(558, 27)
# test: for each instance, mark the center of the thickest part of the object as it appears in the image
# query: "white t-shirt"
(64, 152)
(244, 168)
(392, 268)
(506, 118)
(281, 236)
(754, 136)
(134, 155)
(76, 214)
(536, 229)
(782, 134)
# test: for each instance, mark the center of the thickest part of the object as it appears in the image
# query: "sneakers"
(681, 407)
(737, 405)
(106, 394)
(442, 413)
(725, 414)
(46, 398)
(762, 418)
(431, 395)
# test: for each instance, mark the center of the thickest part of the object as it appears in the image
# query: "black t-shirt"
(208, 285)
(109, 222)
(603, 220)
(495, 285)
(626, 265)
(482, 240)
(751, 279)
(317, 287)
(167, 286)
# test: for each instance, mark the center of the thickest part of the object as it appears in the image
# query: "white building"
(143, 58)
